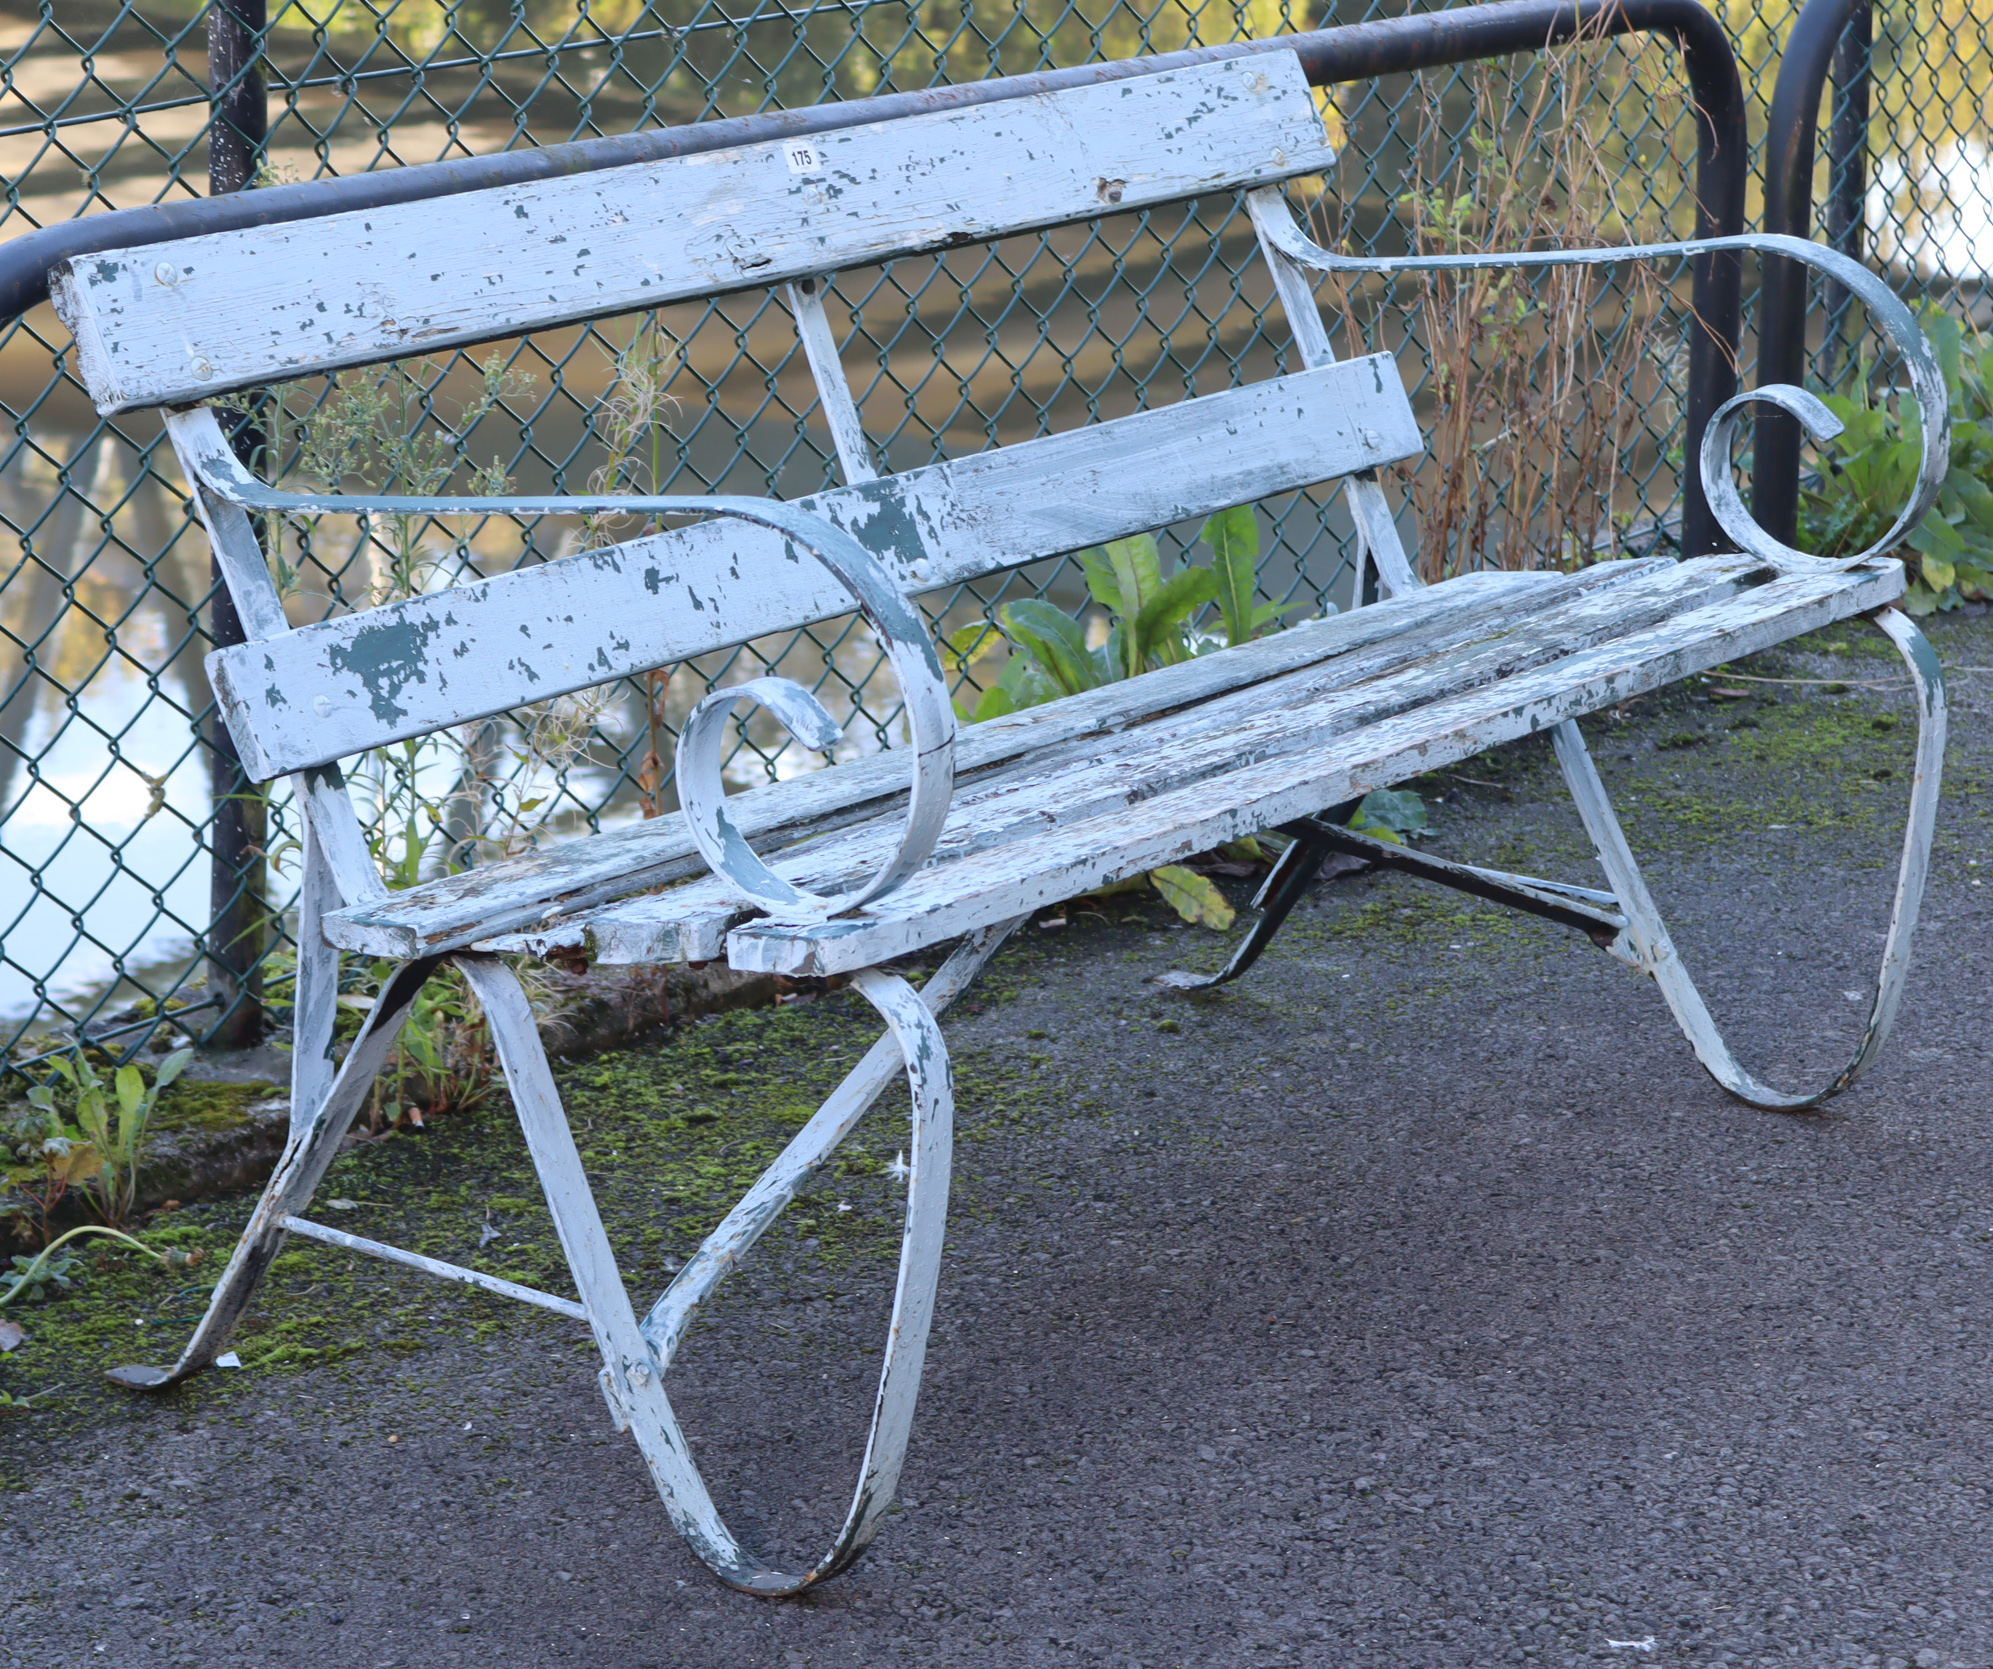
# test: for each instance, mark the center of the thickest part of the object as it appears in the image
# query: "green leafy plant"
(389, 429)
(49, 1163)
(1870, 469)
(1194, 897)
(1153, 611)
(382, 429)
(443, 1061)
(1151, 608)
(1396, 815)
(104, 1129)
(34, 1278)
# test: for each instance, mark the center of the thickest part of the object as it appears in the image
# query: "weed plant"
(83, 1132)
(1545, 386)
(1869, 471)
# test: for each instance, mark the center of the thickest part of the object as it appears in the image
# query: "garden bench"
(957, 837)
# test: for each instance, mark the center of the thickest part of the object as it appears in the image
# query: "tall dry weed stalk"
(1540, 378)
(634, 429)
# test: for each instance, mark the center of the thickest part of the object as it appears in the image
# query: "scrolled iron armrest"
(702, 793)
(1276, 223)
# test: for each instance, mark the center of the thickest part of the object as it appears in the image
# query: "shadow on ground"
(1417, 1302)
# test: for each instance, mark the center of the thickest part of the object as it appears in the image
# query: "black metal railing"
(1831, 38)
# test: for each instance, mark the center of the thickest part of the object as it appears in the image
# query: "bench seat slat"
(328, 691)
(1306, 711)
(946, 900)
(181, 321)
(453, 911)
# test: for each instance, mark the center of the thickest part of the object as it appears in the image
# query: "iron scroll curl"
(702, 793)
(930, 717)
(1920, 364)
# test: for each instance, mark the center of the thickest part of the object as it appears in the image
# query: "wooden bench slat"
(570, 876)
(1304, 711)
(180, 321)
(946, 900)
(328, 691)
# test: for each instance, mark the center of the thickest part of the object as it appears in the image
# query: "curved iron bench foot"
(1653, 951)
(314, 1141)
(635, 1376)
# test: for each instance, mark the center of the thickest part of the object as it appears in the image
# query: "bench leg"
(316, 1132)
(1655, 952)
(315, 1005)
(1286, 884)
(636, 1357)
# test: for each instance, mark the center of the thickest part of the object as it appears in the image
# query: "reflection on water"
(102, 857)
(103, 789)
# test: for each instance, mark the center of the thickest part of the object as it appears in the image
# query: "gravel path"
(1418, 1302)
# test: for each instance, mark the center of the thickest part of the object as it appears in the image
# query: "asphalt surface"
(1419, 1302)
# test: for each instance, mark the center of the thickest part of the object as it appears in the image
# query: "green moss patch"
(672, 1133)
(208, 1107)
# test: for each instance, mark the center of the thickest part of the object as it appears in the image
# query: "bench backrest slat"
(177, 322)
(327, 691)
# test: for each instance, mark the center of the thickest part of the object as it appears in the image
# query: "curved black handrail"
(1828, 37)
(1355, 52)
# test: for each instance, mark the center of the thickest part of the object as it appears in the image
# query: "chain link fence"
(108, 878)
